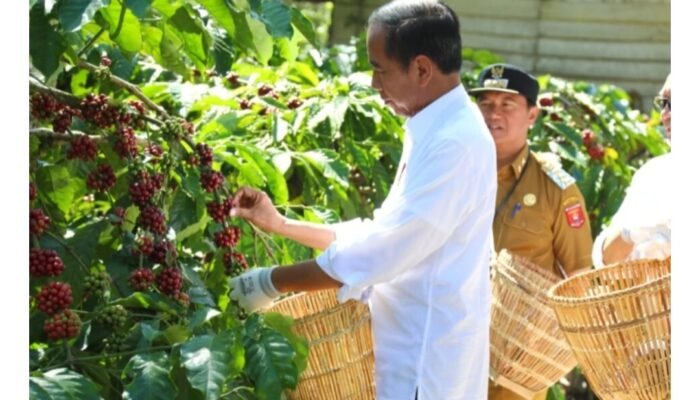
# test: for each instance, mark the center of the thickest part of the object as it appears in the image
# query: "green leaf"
(139, 7)
(252, 35)
(567, 132)
(302, 73)
(555, 392)
(334, 112)
(59, 384)
(269, 360)
(127, 34)
(194, 37)
(76, 13)
(85, 241)
(60, 186)
(167, 7)
(327, 162)
(288, 48)
(149, 301)
(151, 372)
(177, 334)
(183, 216)
(275, 180)
(303, 25)
(221, 13)
(283, 324)
(200, 295)
(152, 37)
(170, 53)
(207, 361)
(201, 316)
(277, 18)
(45, 44)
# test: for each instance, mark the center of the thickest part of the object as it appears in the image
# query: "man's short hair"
(414, 27)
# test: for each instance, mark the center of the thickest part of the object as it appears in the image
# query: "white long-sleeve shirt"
(423, 259)
(647, 203)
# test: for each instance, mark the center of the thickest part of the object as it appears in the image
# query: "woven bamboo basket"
(618, 323)
(341, 358)
(528, 353)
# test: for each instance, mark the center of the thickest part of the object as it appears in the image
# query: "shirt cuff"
(346, 292)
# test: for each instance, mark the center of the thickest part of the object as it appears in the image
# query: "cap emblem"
(496, 81)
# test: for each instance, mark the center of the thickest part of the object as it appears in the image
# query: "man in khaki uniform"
(540, 212)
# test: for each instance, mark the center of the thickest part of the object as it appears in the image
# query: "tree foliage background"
(146, 115)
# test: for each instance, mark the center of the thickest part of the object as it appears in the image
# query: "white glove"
(643, 234)
(253, 290)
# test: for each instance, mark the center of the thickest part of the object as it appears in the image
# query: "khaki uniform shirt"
(545, 220)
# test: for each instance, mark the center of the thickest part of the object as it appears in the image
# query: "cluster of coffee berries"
(228, 237)
(211, 180)
(43, 106)
(114, 342)
(54, 297)
(82, 147)
(219, 212)
(264, 90)
(234, 263)
(63, 118)
(125, 143)
(294, 104)
(205, 154)
(154, 150)
(182, 298)
(96, 109)
(595, 150)
(112, 316)
(97, 283)
(45, 262)
(546, 102)
(144, 245)
(169, 281)
(102, 178)
(153, 220)
(144, 187)
(164, 252)
(141, 279)
(38, 222)
(63, 325)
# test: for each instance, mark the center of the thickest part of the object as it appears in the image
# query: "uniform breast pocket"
(525, 222)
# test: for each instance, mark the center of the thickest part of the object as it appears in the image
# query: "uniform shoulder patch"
(551, 165)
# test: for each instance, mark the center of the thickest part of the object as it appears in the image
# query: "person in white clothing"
(641, 228)
(422, 261)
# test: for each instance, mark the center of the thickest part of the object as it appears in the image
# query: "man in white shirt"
(422, 261)
(641, 227)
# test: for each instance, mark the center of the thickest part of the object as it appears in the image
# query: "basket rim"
(559, 299)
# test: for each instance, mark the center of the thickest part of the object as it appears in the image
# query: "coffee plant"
(146, 116)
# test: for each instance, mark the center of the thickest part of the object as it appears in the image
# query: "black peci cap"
(507, 78)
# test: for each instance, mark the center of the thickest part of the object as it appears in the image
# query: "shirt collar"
(519, 163)
(419, 125)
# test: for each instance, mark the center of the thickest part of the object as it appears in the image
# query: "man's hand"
(253, 290)
(256, 207)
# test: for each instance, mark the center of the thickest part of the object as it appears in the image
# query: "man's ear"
(532, 114)
(423, 68)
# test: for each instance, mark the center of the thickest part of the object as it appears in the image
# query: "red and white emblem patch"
(574, 215)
